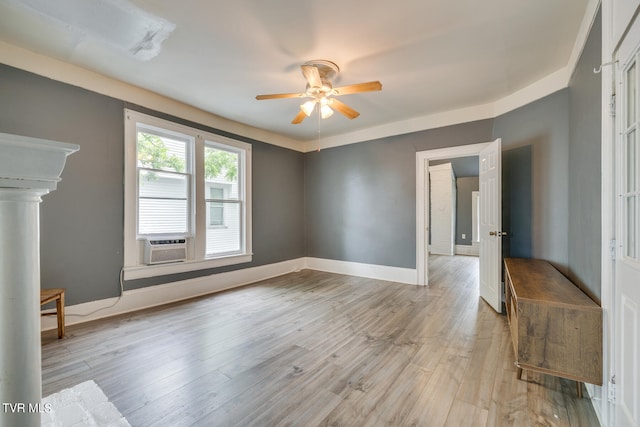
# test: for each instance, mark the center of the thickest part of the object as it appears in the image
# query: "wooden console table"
(556, 329)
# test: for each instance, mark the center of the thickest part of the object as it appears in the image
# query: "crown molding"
(554, 82)
(77, 76)
(583, 34)
(90, 80)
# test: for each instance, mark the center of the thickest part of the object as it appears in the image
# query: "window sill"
(145, 271)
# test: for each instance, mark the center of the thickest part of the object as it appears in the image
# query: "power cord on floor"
(121, 280)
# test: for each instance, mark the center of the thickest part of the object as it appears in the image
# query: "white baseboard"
(597, 402)
(138, 299)
(437, 251)
(473, 250)
(372, 271)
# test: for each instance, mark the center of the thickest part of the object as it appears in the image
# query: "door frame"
(615, 25)
(422, 198)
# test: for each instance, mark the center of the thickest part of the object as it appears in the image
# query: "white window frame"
(629, 126)
(134, 267)
(188, 174)
(233, 147)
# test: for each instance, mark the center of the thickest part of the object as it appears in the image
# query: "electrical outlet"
(464, 236)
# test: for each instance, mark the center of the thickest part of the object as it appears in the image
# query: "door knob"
(497, 233)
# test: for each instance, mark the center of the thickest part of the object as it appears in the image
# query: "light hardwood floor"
(314, 348)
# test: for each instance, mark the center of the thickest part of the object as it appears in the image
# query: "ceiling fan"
(319, 73)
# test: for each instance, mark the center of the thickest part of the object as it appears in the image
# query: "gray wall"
(82, 221)
(352, 203)
(81, 237)
(535, 144)
(464, 207)
(517, 202)
(361, 198)
(585, 167)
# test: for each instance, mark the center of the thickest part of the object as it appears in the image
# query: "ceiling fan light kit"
(319, 74)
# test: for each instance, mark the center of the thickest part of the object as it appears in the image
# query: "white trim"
(598, 402)
(422, 202)
(469, 250)
(475, 217)
(605, 411)
(371, 271)
(134, 267)
(442, 167)
(144, 271)
(549, 84)
(32, 163)
(583, 34)
(152, 296)
(77, 76)
(554, 82)
(416, 124)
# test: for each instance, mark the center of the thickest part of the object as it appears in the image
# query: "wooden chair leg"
(579, 389)
(60, 313)
(519, 373)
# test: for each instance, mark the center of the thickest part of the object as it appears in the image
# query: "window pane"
(163, 203)
(631, 161)
(631, 224)
(163, 185)
(225, 238)
(216, 193)
(161, 152)
(221, 168)
(216, 214)
(156, 216)
(631, 95)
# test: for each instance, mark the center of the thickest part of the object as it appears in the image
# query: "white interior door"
(626, 310)
(491, 225)
(442, 213)
(424, 277)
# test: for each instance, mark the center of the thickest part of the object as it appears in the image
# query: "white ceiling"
(431, 56)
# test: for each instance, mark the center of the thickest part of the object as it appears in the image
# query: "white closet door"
(442, 209)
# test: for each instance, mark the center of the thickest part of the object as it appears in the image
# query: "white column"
(29, 169)
(20, 360)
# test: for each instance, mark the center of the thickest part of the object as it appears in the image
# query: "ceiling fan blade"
(344, 109)
(312, 75)
(359, 87)
(281, 95)
(298, 118)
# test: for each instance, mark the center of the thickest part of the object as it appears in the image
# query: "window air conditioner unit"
(165, 250)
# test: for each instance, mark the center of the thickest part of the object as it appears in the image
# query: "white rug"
(84, 405)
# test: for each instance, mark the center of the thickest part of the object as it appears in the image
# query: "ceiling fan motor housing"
(326, 69)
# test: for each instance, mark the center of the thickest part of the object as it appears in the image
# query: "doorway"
(454, 195)
(490, 215)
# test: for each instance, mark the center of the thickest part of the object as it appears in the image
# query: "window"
(630, 187)
(164, 181)
(223, 168)
(182, 182)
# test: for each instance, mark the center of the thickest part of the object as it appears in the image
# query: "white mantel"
(32, 163)
(29, 169)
